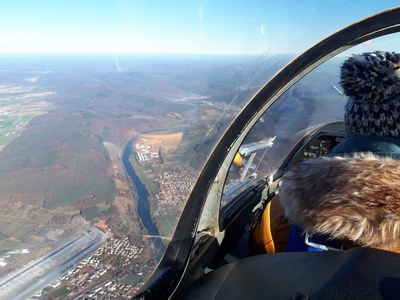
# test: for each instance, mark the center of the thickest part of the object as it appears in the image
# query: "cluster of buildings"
(121, 248)
(145, 153)
(175, 187)
(94, 277)
(8, 90)
(35, 95)
(111, 290)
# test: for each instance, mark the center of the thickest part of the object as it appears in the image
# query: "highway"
(23, 283)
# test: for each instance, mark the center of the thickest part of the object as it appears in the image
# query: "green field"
(145, 176)
(16, 113)
(18, 230)
(93, 212)
(60, 292)
(61, 165)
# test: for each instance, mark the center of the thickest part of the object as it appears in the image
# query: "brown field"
(122, 204)
(168, 141)
(37, 238)
(43, 251)
(101, 224)
(14, 240)
(210, 114)
(121, 185)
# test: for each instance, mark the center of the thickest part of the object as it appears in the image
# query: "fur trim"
(355, 198)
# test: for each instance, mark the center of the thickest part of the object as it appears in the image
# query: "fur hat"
(372, 83)
(346, 198)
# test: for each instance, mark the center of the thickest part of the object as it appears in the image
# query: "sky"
(174, 26)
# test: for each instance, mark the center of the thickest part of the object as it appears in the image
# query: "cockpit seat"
(359, 273)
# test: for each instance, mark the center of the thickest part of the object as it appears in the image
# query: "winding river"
(143, 201)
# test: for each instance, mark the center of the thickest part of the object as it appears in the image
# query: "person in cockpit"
(353, 197)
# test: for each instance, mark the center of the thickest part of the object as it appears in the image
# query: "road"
(23, 283)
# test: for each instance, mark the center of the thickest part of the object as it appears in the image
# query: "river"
(143, 201)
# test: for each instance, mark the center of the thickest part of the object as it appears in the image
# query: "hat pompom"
(372, 77)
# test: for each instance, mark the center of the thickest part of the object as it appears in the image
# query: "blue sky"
(174, 26)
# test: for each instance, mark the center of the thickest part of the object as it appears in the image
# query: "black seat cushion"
(359, 273)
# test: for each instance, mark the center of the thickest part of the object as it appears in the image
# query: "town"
(94, 277)
(175, 187)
